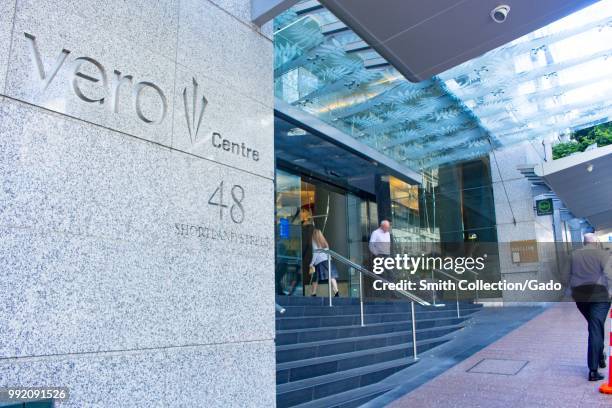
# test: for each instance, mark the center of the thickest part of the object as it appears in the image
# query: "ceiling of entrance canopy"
(555, 79)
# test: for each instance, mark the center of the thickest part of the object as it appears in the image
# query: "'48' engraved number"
(236, 209)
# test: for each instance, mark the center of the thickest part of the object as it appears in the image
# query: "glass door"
(288, 234)
(345, 220)
(362, 219)
(327, 212)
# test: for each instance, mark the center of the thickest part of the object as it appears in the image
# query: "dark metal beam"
(333, 28)
(334, 135)
(376, 63)
(307, 7)
(263, 11)
(356, 46)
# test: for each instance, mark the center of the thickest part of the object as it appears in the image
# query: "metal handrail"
(471, 271)
(456, 286)
(476, 275)
(447, 275)
(279, 308)
(371, 274)
(363, 271)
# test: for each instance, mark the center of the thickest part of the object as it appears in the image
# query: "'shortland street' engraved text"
(205, 232)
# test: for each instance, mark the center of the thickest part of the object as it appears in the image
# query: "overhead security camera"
(500, 13)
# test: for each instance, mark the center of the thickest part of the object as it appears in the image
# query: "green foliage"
(581, 139)
(565, 149)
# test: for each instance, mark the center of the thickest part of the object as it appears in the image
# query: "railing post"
(329, 278)
(433, 279)
(279, 308)
(361, 297)
(414, 337)
(457, 297)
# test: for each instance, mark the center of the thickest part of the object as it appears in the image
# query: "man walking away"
(589, 285)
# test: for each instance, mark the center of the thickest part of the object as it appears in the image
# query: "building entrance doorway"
(303, 204)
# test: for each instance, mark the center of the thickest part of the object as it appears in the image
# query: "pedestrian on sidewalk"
(590, 286)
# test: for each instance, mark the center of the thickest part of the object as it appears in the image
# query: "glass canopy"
(553, 80)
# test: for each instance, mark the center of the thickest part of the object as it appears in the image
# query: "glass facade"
(450, 213)
(288, 214)
(372, 103)
(540, 85)
(465, 214)
(543, 84)
(303, 204)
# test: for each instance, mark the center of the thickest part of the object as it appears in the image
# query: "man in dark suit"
(589, 285)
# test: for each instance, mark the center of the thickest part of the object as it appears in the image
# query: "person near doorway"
(380, 240)
(589, 285)
(319, 264)
(380, 247)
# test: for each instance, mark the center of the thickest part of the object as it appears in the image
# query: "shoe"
(314, 294)
(602, 361)
(595, 376)
(337, 294)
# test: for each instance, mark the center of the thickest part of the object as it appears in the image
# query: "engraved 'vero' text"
(109, 89)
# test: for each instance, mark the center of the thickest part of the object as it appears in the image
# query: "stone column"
(136, 259)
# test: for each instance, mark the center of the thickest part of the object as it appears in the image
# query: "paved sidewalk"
(540, 364)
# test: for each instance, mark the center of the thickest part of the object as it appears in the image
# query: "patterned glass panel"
(540, 85)
(555, 79)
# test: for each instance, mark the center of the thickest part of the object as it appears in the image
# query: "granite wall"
(136, 202)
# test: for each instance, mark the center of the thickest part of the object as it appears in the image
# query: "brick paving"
(541, 364)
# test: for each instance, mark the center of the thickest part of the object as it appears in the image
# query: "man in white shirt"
(380, 247)
(380, 240)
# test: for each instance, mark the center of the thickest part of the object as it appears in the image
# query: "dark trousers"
(595, 314)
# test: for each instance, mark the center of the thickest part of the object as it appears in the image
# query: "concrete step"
(354, 318)
(306, 311)
(345, 301)
(299, 392)
(306, 335)
(314, 301)
(314, 367)
(349, 399)
(302, 351)
(326, 359)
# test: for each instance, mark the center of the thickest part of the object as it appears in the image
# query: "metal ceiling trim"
(327, 132)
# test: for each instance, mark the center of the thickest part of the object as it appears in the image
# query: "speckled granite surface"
(7, 11)
(122, 276)
(227, 375)
(146, 66)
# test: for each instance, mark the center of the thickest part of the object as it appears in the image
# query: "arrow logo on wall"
(193, 125)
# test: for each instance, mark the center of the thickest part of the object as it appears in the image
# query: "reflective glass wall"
(345, 219)
(535, 87)
(465, 215)
(289, 221)
(450, 214)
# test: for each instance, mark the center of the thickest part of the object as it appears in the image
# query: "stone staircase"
(324, 358)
